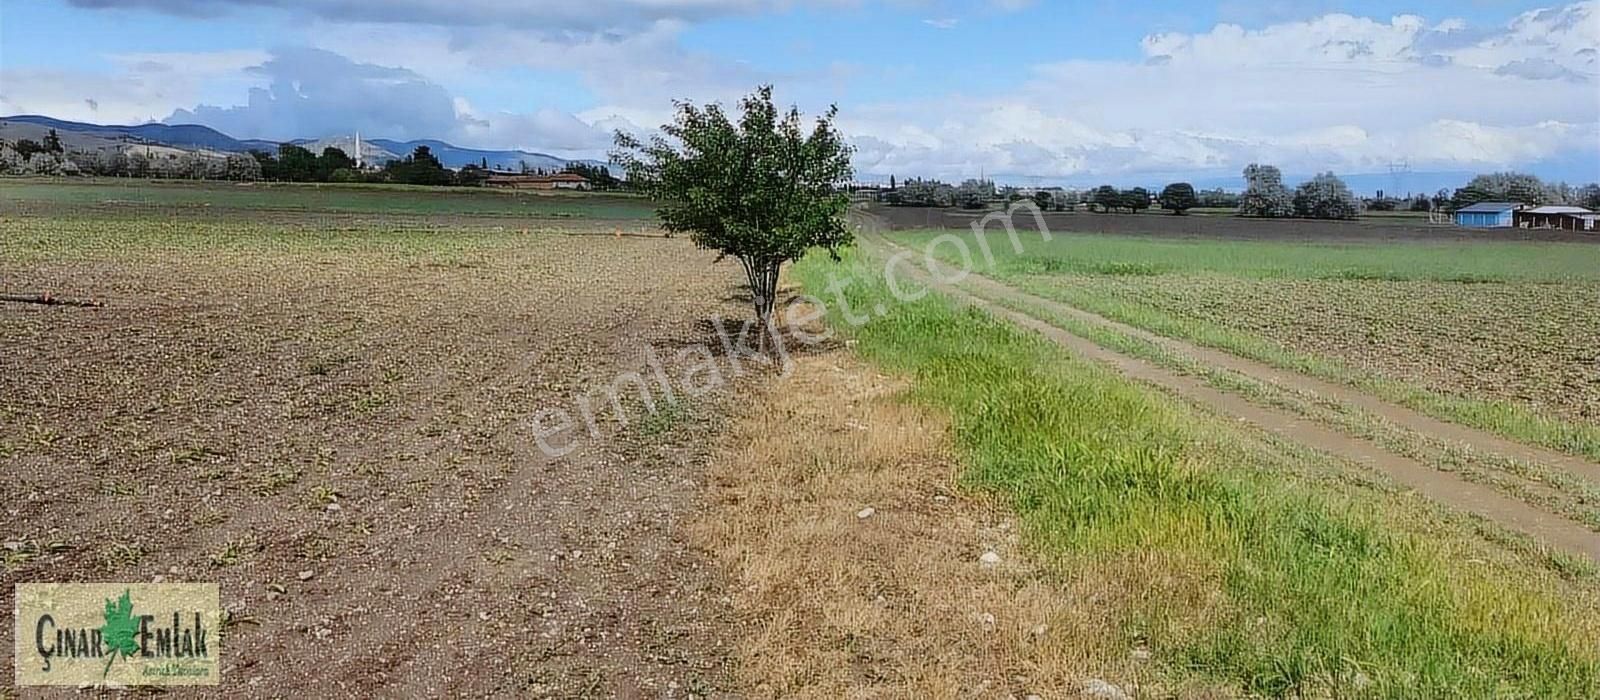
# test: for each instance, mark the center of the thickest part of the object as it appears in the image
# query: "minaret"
(358, 150)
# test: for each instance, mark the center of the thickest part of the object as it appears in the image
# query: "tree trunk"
(763, 279)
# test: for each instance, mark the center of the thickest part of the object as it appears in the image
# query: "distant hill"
(370, 152)
(96, 141)
(197, 137)
(186, 136)
(453, 156)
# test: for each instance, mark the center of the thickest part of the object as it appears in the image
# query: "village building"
(558, 181)
(1565, 218)
(1487, 215)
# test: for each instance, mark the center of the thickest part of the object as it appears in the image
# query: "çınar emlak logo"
(117, 633)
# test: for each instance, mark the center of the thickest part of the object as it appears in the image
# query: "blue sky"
(1026, 90)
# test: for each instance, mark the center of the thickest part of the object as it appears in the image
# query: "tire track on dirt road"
(1477, 440)
(1477, 499)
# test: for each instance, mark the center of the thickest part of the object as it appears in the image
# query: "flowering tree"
(1325, 197)
(1264, 193)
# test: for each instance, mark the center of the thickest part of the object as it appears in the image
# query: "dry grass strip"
(858, 562)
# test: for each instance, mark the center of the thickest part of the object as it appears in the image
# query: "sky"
(1018, 90)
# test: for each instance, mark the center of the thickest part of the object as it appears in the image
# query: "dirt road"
(342, 440)
(1550, 528)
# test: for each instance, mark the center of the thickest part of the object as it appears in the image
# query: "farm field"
(331, 420)
(1217, 225)
(1225, 560)
(178, 198)
(1501, 335)
(325, 407)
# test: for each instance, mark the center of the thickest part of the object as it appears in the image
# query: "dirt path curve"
(1477, 440)
(1444, 488)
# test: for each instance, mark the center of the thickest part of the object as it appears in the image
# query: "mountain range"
(198, 137)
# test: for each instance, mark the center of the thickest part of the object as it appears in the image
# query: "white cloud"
(553, 17)
(142, 88)
(312, 93)
(1336, 91)
(1331, 91)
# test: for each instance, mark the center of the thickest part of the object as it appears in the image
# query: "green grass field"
(167, 197)
(1253, 568)
(1143, 256)
(1499, 336)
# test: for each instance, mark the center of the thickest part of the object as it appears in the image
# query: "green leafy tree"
(296, 163)
(1106, 197)
(331, 161)
(918, 192)
(763, 189)
(120, 631)
(52, 143)
(1044, 200)
(1441, 200)
(1178, 198)
(419, 168)
(599, 176)
(1264, 194)
(27, 147)
(1136, 199)
(472, 175)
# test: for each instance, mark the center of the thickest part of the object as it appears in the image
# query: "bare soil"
(342, 440)
(1533, 344)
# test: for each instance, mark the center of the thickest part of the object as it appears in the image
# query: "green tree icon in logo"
(119, 630)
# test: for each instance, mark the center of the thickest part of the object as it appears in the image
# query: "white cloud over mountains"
(1332, 92)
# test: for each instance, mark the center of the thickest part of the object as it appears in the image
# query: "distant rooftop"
(1489, 208)
(1557, 209)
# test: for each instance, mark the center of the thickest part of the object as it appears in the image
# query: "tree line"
(291, 163)
(1323, 196)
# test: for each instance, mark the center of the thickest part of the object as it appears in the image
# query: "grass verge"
(1536, 484)
(1236, 572)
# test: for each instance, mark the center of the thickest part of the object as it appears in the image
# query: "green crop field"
(1244, 565)
(1501, 336)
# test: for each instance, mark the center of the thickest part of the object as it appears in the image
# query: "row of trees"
(1525, 189)
(979, 194)
(292, 163)
(1324, 196)
(1109, 198)
(131, 163)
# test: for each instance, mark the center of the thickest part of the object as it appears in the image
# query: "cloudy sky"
(1021, 89)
